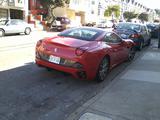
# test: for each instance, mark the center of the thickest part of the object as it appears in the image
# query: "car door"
(118, 50)
(144, 34)
(21, 25)
(12, 27)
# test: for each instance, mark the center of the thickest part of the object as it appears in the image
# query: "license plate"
(54, 59)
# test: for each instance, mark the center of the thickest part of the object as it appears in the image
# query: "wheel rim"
(103, 69)
(1, 33)
(131, 54)
(141, 45)
(27, 31)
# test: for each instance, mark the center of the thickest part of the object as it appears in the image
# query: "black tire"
(149, 42)
(102, 70)
(131, 54)
(140, 46)
(27, 31)
(2, 33)
(48, 69)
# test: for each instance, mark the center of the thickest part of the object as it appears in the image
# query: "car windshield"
(129, 26)
(81, 33)
(3, 22)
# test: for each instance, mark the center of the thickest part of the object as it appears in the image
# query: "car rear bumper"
(77, 73)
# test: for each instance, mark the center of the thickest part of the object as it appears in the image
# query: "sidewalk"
(132, 95)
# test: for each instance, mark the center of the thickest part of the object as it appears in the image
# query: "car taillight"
(39, 43)
(135, 36)
(79, 51)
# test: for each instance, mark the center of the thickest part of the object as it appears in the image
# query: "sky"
(153, 4)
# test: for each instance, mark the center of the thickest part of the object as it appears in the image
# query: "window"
(81, 33)
(112, 38)
(93, 2)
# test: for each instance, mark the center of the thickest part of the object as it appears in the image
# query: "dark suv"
(61, 23)
(136, 32)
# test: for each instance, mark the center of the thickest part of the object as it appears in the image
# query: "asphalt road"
(28, 92)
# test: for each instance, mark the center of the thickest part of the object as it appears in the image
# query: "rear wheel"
(131, 54)
(141, 46)
(27, 31)
(149, 42)
(103, 70)
(2, 32)
(48, 69)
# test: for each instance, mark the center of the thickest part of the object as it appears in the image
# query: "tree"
(51, 5)
(129, 15)
(2, 1)
(157, 12)
(143, 17)
(115, 9)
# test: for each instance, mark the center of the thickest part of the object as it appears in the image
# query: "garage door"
(3, 13)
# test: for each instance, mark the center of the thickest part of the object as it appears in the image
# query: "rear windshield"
(128, 26)
(81, 33)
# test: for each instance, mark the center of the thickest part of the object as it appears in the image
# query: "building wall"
(8, 5)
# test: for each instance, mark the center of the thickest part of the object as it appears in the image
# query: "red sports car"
(86, 53)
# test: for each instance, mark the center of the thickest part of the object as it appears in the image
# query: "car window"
(128, 26)
(3, 22)
(112, 38)
(81, 33)
(14, 22)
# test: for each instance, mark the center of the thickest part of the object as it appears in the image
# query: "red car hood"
(66, 41)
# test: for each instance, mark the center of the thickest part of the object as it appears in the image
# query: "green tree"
(143, 17)
(129, 15)
(115, 9)
(2, 1)
(51, 5)
(157, 12)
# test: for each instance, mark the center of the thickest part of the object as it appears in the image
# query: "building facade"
(13, 9)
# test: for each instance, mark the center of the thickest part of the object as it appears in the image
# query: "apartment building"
(14, 9)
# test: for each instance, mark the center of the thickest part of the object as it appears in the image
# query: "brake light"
(79, 52)
(135, 36)
(39, 43)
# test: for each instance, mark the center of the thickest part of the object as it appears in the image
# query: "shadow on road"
(32, 93)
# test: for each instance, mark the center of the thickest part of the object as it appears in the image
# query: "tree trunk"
(51, 16)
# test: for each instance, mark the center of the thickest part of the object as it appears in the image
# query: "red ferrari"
(86, 53)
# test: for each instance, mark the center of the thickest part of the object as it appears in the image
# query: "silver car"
(14, 26)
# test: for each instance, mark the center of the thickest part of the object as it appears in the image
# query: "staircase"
(38, 22)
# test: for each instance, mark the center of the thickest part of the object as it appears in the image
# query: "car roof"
(92, 28)
(132, 23)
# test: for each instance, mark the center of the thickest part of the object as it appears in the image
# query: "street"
(28, 92)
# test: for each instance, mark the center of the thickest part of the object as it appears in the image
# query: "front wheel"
(131, 54)
(141, 46)
(1, 33)
(27, 31)
(103, 70)
(149, 42)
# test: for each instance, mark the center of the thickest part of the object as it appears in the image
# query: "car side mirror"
(7, 24)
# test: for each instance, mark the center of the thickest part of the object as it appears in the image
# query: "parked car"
(104, 24)
(14, 26)
(153, 30)
(86, 53)
(134, 31)
(61, 23)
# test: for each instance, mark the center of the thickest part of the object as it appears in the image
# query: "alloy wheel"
(103, 69)
(1, 33)
(27, 31)
(131, 54)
